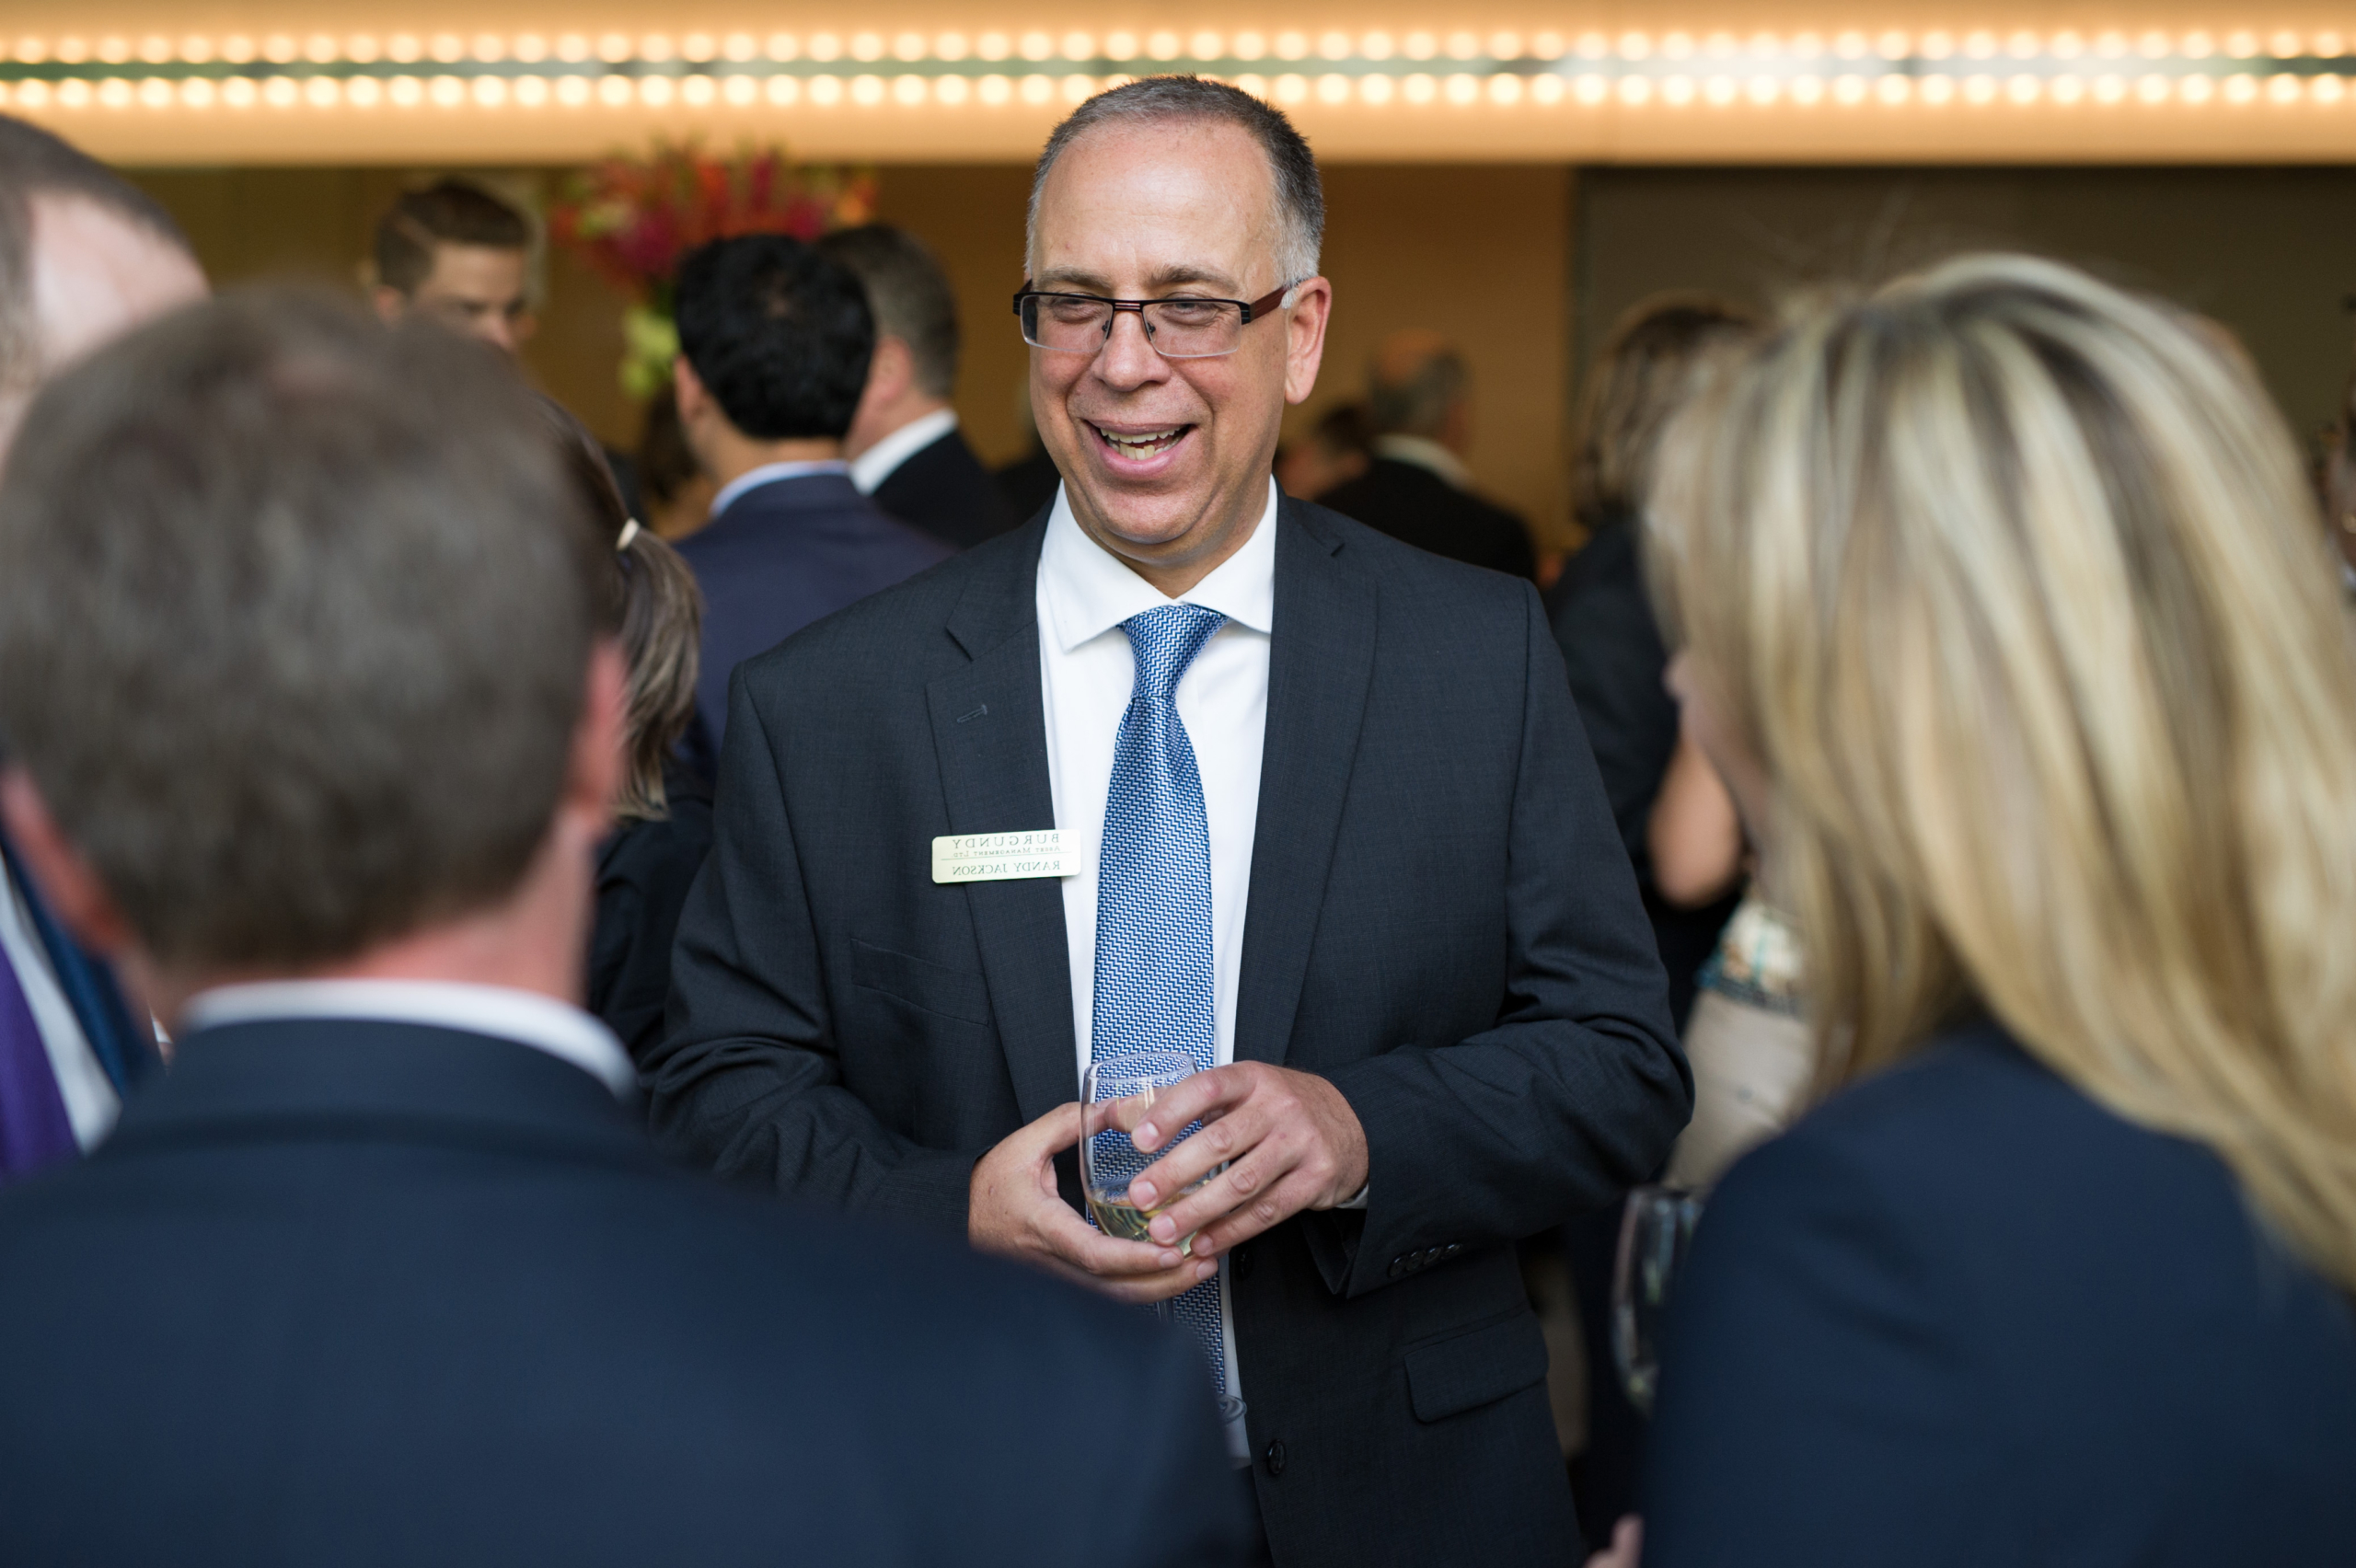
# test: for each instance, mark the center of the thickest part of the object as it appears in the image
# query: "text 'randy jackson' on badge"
(1003, 857)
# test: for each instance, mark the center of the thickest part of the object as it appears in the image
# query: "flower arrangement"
(634, 218)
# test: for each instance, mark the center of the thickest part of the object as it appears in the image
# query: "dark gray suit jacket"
(1442, 922)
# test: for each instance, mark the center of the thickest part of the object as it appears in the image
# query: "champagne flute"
(1656, 1228)
(1114, 1094)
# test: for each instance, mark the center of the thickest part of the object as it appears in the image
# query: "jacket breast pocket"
(919, 983)
(1475, 1366)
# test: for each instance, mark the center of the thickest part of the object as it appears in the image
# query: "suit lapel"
(989, 732)
(1321, 661)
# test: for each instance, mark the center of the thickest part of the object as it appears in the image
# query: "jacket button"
(1244, 1262)
(1398, 1267)
(1275, 1459)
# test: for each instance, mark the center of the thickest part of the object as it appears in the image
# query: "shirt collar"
(526, 1017)
(1425, 454)
(1088, 590)
(875, 465)
(769, 474)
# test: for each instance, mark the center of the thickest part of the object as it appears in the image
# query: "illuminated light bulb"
(952, 90)
(1377, 46)
(1893, 45)
(1938, 45)
(1375, 90)
(489, 48)
(1808, 91)
(2023, 45)
(572, 49)
(2328, 46)
(994, 90)
(2327, 90)
(825, 48)
(825, 91)
(1981, 45)
(1850, 91)
(2111, 45)
(2197, 46)
(72, 52)
(782, 91)
(656, 92)
(1678, 46)
(1938, 91)
(700, 48)
(614, 91)
(2240, 45)
(1721, 90)
(1207, 46)
(155, 92)
(1420, 46)
(1894, 91)
(2153, 45)
(35, 94)
(909, 90)
(1548, 46)
(782, 48)
(867, 46)
(281, 50)
(1332, 87)
(867, 90)
(1333, 46)
(326, 92)
(1677, 91)
(115, 51)
(1590, 88)
(993, 46)
(531, 92)
(1505, 46)
(241, 92)
(1462, 45)
(31, 50)
(2195, 91)
(1763, 90)
(1164, 45)
(239, 49)
(1291, 87)
(1594, 46)
(1250, 46)
(1079, 46)
(361, 49)
(740, 91)
(573, 91)
(74, 94)
(1036, 46)
(2284, 46)
(1121, 46)
(155, 48)
(279, 92)
(655, 48)
(1808, 46)
(699, 91)
(2284, 88)
(197, 92)
(401, 92)
(739, 47)
(1418, 88)
(1721, 46)
(2113, 89)
(1504, 89)
(1980, 90)
(1078, 89)
(2066, 46)
(1039, 89)
(1851, 46)
(1462, 88)
(2025, 89)
(2066, 89)
(1252, 82)
(2153, 88)
(613, 48)
(446, 48)
(198, 51)
(320, 50)
(114, 93)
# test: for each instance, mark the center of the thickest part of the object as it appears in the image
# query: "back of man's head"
(449, 212)
(39, 170)
(1416, 381)
(910, 295)
(295, 620)
(778, 334)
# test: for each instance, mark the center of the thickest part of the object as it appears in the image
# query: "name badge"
(1004, 856)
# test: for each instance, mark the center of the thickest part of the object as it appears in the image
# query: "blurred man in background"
(774, 342)
(458, 253)
(298, 649)
(905, 448)
(1418, 487)
(84, 257)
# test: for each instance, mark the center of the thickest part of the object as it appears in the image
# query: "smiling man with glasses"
(1008, 819)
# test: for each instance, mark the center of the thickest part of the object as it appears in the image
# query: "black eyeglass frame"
(1252, 310)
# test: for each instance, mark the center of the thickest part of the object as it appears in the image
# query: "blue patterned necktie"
(34, 1130)
(1153, 892)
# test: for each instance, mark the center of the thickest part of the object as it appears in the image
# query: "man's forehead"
(1166, 201)
(482, 271)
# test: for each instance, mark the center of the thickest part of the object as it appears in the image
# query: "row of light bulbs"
(1503, 90)
(1037, 45)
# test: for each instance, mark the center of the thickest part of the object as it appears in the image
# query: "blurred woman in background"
(663, 820)
(2006, 616)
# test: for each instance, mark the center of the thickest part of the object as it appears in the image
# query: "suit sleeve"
(747, 1080)
(1612, 651)
(1579, 1090)
(1818, 1403)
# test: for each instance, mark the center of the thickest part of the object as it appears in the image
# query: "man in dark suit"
(1418, 488)
(905, 448)
(1441, 1028)
(774, 341)
(83, 257)
(314, 726)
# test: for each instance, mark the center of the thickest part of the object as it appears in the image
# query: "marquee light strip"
(1502, 68)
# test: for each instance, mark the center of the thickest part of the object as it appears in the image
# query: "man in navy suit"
(774, 342)
(313, 726)
(83, 257)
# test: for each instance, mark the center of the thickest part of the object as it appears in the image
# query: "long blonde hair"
(2012, 582)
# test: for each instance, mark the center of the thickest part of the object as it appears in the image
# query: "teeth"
(1139, 443)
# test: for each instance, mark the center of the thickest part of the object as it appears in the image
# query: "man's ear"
(601, 736)
(690, 389)
(890, 373)
(390, 303)
(68, 884)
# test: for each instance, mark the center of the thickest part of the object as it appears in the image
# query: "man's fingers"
(1067, 1236)
(1244, 1181)
(1230, 1138)
(1295, 1192)
(1053, 1133)
(1192, 1100)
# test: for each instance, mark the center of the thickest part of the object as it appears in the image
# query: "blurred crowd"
(1913, 827)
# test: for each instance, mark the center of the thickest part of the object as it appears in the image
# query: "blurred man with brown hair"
(1418, 488)
(461, 255)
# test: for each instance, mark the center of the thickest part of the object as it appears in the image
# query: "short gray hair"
(1418, 403)
(294, 619)
(908, 294)
(1292, 169)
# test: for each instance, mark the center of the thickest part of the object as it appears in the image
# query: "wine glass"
(1656, 1228)
(1114, 1094)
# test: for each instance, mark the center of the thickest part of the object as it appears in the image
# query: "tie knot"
(1164, 640)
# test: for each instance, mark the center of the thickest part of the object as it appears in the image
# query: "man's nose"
(1127, 358)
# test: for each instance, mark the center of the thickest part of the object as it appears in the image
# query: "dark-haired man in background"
(84, 257)
(905, 448)
(298, 649)
(458, 253)
(774, 341)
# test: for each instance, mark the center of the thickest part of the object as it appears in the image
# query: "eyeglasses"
(1178, 328)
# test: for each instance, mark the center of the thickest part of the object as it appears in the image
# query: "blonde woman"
(2004, 606)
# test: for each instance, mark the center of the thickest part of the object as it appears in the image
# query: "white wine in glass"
(1114, 1094)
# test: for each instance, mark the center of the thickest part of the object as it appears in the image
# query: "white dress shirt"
(527, 1018)
(1085, 674)
(769, 474)
(875, 465)
(91, 1103)
(1426, 453)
